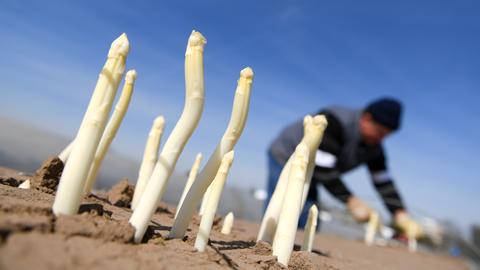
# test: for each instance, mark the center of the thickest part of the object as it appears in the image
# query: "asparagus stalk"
(187, 123)
(228, 141)
(63, 156)
(25, 185)
(111, 128)
(412, 244)
(315, 128)
(150, 156)
(310, 229)
(191, 177)
(287, 225)
(212, 202)
(72, 182)
(204, 200)
(372, 228)
(313, 133)
(227, 223)
(412, 241)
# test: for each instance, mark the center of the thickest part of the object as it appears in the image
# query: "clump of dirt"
(98, 227)
(270, 263)
(10, 181)
(262, 255)
(163, 207)
(262, 248)
(301, 260)
(216, 225)
(121, 194)
(94, 209)
(47, 177)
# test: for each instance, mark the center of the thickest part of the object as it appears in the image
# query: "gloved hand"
(407, 225)
(359, 209)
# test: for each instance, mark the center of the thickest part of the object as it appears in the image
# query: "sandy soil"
(99, 237)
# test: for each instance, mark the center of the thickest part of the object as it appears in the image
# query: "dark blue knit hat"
(386, 111)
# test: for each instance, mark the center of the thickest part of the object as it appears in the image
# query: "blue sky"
(305, 55)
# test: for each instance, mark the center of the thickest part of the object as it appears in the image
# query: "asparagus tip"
(159, 122)
(120, 46)
(196, 39)
(247, 73)
(131, 76)
(320, 120)
(308, 119)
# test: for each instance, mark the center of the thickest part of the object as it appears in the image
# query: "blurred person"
(353, 137)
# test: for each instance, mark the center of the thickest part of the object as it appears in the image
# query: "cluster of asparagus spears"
(83, 157)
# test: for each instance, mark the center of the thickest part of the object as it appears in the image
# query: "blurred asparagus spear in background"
(310, 229)
(284, 239)
(204, 200)
(63, 156)
(373, 226)
(227, 223)
(150, 156)
(313, 133)
(25, 185)
(191, 177)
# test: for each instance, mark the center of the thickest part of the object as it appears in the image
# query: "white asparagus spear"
(313, 133)
(175, 143)
(372, 227)
(284, 239)
(63, 156)
(412, 244)
(72, 182)
(150, 156)
(25, 185)
(191, 177)
(230, 137)
(310, 229)
(111, 129)
(212, 202)
(228, 223)
(412, 241)
(204, 200)
(315, 130)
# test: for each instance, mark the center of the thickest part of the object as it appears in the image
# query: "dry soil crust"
(31, 237)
